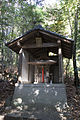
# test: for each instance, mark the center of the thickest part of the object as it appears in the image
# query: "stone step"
(39, 102)
(17, 117)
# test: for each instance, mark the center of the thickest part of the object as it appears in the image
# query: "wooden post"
(36, 74)
(60, 61)
(42, 75)
(20, 65)
(25, 67)
(30, 70)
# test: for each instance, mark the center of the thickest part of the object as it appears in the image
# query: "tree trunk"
(67, 61)
(76, 79)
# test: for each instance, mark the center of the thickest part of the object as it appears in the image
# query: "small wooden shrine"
(41, 55)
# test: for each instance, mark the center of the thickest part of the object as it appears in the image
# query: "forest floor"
(73, 97)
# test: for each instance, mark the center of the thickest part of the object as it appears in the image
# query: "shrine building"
(41, 54)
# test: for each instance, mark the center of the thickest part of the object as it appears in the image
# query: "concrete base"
(40, 101)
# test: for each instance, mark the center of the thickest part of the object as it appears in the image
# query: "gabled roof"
(29, 36)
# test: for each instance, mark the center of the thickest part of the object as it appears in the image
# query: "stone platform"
(39, 102)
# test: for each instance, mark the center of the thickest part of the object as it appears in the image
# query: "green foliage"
(68, 68)
(55, 20)
(16, 18)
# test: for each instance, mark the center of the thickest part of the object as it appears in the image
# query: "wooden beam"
(42, 62)
(55, 36)
(49, 35)
(19, 44)
(25, 36)
(44, 45)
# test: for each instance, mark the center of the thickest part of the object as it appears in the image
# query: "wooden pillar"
(20, 65)
(31, 70)
(36, 74)
(25, 67)
(60, 61)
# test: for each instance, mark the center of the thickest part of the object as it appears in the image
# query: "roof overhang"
(66, 44)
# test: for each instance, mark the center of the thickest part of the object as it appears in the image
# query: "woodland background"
(19, 16)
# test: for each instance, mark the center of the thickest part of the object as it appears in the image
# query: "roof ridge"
(38, 27)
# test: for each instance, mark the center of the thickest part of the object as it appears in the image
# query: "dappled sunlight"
(33, 101)
(20, 108)
(58, 107)
(62, 117)
(40, 101)
(36, 92)
(21, 86)
(46, 91)
(16, 84)
(48, 85)
(62, 110)
(56, 93)
(17, 101)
